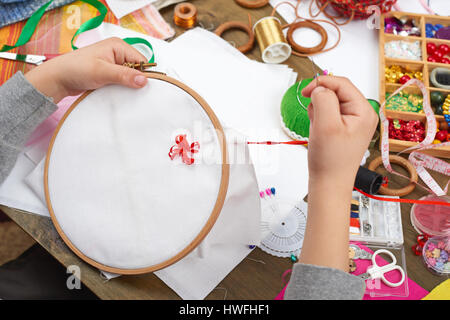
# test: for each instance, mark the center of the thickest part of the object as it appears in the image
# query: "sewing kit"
(379, 222)
(375, 232)
(415, 46)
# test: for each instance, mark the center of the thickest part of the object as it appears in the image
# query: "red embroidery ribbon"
(428, 202)
(183, 149)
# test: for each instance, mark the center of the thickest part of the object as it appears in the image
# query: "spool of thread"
(271, 40)
(368, 181)
(185, 15)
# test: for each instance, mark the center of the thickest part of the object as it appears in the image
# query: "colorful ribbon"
(33, 21)
(183, 149)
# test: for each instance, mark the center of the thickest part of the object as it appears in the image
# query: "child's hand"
(88, 68)
(342, 124)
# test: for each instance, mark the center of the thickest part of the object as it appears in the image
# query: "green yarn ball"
(294, 116)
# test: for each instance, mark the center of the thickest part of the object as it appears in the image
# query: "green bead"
(293, 258)
(437, 98)
(439, 110)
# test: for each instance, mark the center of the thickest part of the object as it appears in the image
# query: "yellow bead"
(435, 141)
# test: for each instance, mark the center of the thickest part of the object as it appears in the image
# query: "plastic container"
(431, 220)
(436, 255)
(380, 228)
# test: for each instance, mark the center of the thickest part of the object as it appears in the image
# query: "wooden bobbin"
(311, 25)
(403, 163)
(238, 25)
(252, 4)
(185, 15)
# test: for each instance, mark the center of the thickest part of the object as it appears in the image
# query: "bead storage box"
(415, 46)
(436, 255)
(380, 227)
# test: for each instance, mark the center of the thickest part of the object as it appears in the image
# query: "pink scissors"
(28, 58)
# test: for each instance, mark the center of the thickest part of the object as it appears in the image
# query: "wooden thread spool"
(185, 15)
(273, 44)
(403, 163)
(238, 25)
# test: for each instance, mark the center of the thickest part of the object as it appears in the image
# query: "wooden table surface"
(256, 278)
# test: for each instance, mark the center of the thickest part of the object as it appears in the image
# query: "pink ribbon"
(183, 149)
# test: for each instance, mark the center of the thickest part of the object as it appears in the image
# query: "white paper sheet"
(121, 8)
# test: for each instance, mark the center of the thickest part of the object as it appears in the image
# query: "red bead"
(445, 60)
(438, 55)
(431, 59)
(442, 135)
(444, 49)
(404, 79)
(417, 250)
(431, 48)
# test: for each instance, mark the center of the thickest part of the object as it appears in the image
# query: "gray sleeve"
(309, 282)
(22, 109)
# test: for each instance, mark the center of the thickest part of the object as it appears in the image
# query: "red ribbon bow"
(183, 149)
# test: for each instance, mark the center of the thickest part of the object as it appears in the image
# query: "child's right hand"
(342, 125)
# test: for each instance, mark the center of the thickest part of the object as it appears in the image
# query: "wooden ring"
(252, 4)
(238, 25)
(311, 25)
(403, 163)
(215, 211)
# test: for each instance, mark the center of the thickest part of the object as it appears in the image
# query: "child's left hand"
(88, 68)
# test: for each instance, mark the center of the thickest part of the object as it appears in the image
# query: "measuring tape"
(419, 160)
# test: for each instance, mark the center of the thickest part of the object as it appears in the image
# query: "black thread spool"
(368, 181)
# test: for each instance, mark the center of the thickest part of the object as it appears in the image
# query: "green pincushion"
(294, 116)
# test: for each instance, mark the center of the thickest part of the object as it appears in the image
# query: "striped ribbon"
(33, 21)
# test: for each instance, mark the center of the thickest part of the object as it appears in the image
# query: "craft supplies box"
(421, 65)
(385, 232)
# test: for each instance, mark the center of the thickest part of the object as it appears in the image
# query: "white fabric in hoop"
(115, 192)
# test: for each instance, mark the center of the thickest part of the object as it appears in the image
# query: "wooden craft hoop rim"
(215, 211)
(252, 4)
(238, 25)
(311, 25)
(375, 163)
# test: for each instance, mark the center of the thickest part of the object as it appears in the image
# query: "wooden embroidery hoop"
(403, 163)
(215, 211)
